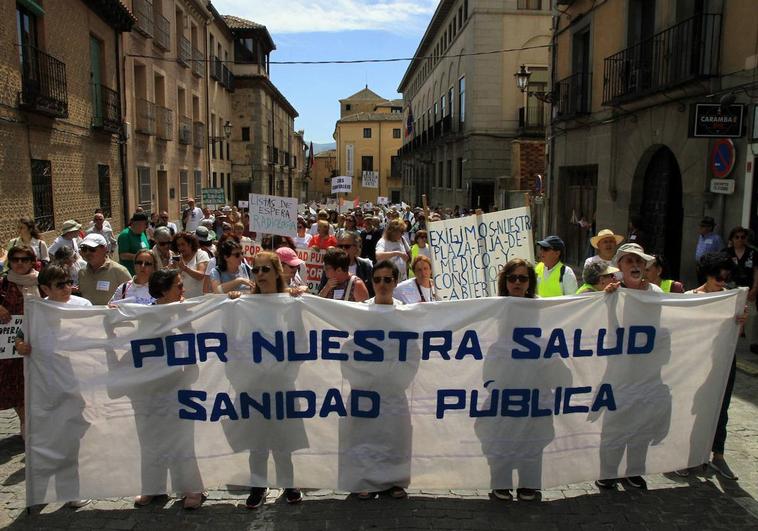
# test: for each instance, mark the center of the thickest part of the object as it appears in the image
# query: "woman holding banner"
(419, 288)
(291, 270)
(20, 280)
(393, 247)
(137, 290)
(341, 284)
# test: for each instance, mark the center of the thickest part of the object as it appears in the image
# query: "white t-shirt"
(192, 287)
(60, 241)
(408, 292)
(395, 303)
(134, 293)
(387, 246)
(193, 219)
(304, 241)
(73, 301)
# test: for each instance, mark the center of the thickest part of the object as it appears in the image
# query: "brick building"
(60, 112)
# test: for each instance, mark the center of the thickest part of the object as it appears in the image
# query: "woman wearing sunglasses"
(20, 280)
(231, 273)
(137, 289)
(192, 263)
(303, 238)
(162, 252)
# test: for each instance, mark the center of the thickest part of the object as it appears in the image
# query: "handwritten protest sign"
(314, 262)
(468, 253)
(242, 204)
(342, 184)
(381, 200)
(8, 337)
(272, 214)
(250, 248)
(370, 179)
(213, 197)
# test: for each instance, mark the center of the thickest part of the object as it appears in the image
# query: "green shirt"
(129, 242)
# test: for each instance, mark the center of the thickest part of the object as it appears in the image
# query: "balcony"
(185, 130)
(198, 135)
(286, 159)
(106, 109)
(685, 52)
(162, 33)
(227, 78)
(145, 117)
(164, 123)
(447, 124)
(531, 118)
(216, 71)
(198, 62)
(572, 95)
(275, 156)
(185, 52)
(143, 11)
(43, 83)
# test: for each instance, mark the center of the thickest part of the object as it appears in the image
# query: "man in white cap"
(632, 262)
(99, 280)
(69, 237)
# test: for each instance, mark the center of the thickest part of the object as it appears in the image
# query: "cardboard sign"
(342, 184)
(272, 214)
(213, 198)
(314, 266)
(8, 333)
(370, 179)
(250, 249)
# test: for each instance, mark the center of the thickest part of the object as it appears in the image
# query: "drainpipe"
(548, 186)
(122, 155)
(207, 110)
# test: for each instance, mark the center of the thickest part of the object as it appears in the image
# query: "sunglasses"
(259, 269)
(386, 280)
(24, 259)
(143, 263)
(345, 245)
(517, 278)
(61, 285)
(86, 249)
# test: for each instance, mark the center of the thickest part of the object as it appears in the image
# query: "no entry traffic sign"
(722, 158)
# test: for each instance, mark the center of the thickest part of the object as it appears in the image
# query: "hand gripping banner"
(308, 392)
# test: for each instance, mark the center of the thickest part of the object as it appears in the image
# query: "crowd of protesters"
(378, 257)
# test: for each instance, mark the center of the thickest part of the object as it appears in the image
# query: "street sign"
(710, 120)
(722, 186)
(722, 158)
(213, 197)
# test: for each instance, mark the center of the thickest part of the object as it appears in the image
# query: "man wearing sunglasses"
(99, 280)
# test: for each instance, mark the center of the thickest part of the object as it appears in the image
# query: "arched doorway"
(659, 205)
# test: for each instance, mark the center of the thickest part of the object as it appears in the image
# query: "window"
(349, 152)
(246, 134)
(396, 133)
(465, 9)
(213, 180)
(367, 163)
(459, 174)
(530, 4)
(183, 185)
(443, 105)
(244, 50)
(449, 175)
(221, 149)
(198, 183)
(227, 151)
(26, 25)
(42, 192)
(460, 17)
(462, 99)
(143, 182)
(348, 107)
(440, 171)
(366, 132)
(435, 112)
(104, 186)
(450, 101)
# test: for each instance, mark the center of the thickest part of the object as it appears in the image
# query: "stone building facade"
(60, 112)
(630, 80)
(463, 104)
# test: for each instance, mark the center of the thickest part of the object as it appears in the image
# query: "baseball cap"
(93, 240)
(288, 256)
(552, 242)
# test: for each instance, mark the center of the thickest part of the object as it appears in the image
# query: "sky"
(317, 30)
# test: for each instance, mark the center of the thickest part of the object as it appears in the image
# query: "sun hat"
(631, 248)
(603, 234)
(70, 226)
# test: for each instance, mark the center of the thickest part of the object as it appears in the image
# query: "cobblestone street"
(703, 501)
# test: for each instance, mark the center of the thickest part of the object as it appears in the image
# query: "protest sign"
(243, 204)
(213, 198)
(468, 253)
(360, 397)
(381, 200)
(8, 333)
(250, 248)
(314, 266)
(342, 184)
(272, 214)
(370, 179)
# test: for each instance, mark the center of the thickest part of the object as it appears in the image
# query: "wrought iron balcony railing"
(185, 130)
(164, 123)
(145, 117)
(162, 37)
(143, 11)
(198, 62)
(571, 95)
(106, 108)
(198, 135)
(185, 52)
(216, 71)
(682, 53)
(43, 83)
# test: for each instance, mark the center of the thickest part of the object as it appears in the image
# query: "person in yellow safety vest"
(596, 277)
(654, 273)
(554, 278)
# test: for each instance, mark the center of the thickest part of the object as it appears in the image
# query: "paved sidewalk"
(703, 501)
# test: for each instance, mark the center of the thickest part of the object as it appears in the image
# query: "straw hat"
(603, 234)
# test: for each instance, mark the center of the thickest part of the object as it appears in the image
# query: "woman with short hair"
(420, 288)
(137, 290)
(341, 284)
(231, 273)
(162, 252)
(192, 263)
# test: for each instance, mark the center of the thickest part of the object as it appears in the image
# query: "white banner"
(272, 214)
(342, 184)
(468, 253)
(492, 393)
(381, 200)
(8, 333)
(370, 179)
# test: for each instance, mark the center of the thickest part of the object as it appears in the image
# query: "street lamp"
(522, 81)
(227, 133)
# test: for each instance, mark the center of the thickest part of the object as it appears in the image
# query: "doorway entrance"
(482, 196)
